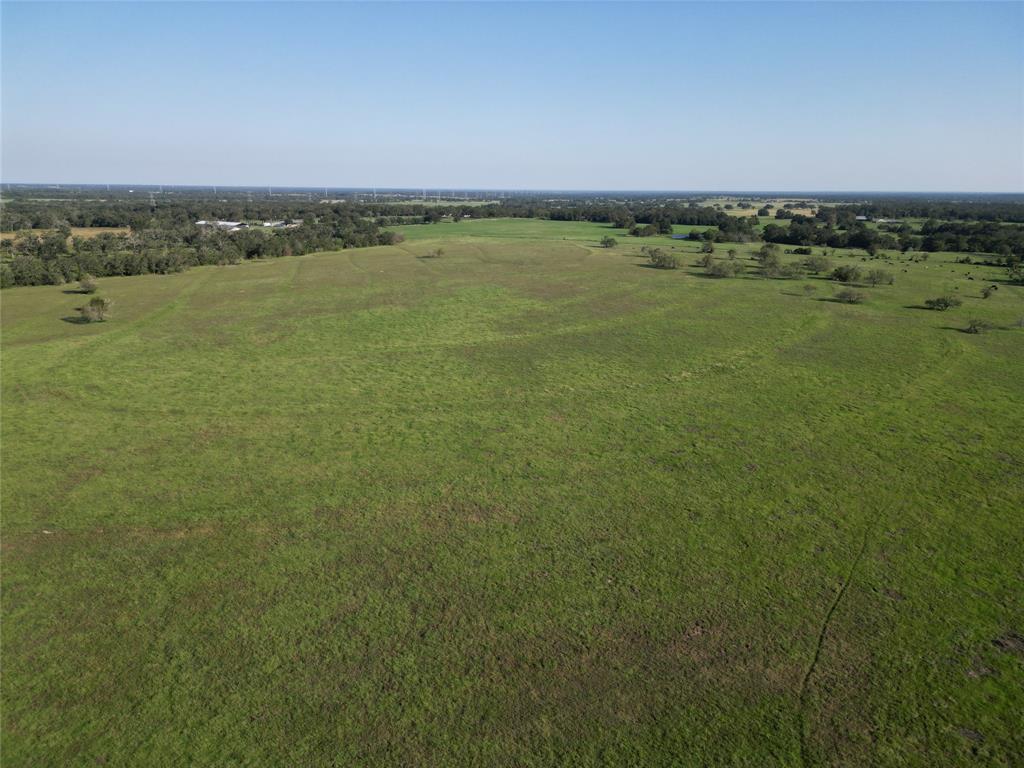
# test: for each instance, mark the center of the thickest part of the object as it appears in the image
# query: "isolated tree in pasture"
(707, 260)
(725, 269)
(791, 270)
(988, 290)
(977, 325)
(817, 264)
(732, 253)
(87, 284)
(846, 273)
(662, 259)
(810, 289)
(767, 251)
(879, 277)
(608, 242)
(771, 262)
(850, 296)
(708, 247)
(942, 303)
(97, 310)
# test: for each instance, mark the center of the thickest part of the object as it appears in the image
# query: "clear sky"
(744, 96)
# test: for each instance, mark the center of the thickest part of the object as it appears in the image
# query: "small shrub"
(87, 284)
(802, 251)
(792, 270)
(942, 303)
(810, 289)
(707, 260)
(732, 253)
(725, 269)
(767, 251)
(817, 264)
(976, 325)
(987, 291)
(850, 296)
(847, 273)
(879, 277)
(661, 259)
(608, 242)
(97, 310)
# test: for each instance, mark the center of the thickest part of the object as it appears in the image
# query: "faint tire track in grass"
(822, 632)
(954, 350)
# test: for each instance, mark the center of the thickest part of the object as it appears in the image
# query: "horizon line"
(520, 190)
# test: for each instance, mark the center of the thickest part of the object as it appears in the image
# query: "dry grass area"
(75, 232)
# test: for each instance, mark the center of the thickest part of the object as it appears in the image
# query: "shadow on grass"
(75, 320)
(969, 333)
(77, 291)
(706, 276)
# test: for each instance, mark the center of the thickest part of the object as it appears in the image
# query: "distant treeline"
(164, 236)
(902, 208)
(54, 258)
(839, 230)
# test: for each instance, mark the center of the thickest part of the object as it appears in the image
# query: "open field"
(530, 503)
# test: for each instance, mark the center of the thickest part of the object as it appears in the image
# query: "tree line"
(55, 258)
(1004, 241)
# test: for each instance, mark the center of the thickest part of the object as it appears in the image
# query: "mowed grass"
(531, 503)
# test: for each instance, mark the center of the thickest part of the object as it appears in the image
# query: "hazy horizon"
(456, 190)
(887, 98)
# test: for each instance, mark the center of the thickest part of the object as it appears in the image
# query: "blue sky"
(819, 96)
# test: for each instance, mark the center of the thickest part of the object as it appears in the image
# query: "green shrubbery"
(97, 310)
(942, 303)
(847, 273)
(660, 258)
(850, 296)
(977, 325)
(725, 269)
(879, 277)
(817, 264)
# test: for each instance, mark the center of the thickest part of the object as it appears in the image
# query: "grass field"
(531, 503)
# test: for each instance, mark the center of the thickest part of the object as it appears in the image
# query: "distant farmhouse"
(235, 226)
(230, 226)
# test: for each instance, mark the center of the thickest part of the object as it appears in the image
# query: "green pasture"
(530, 503)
